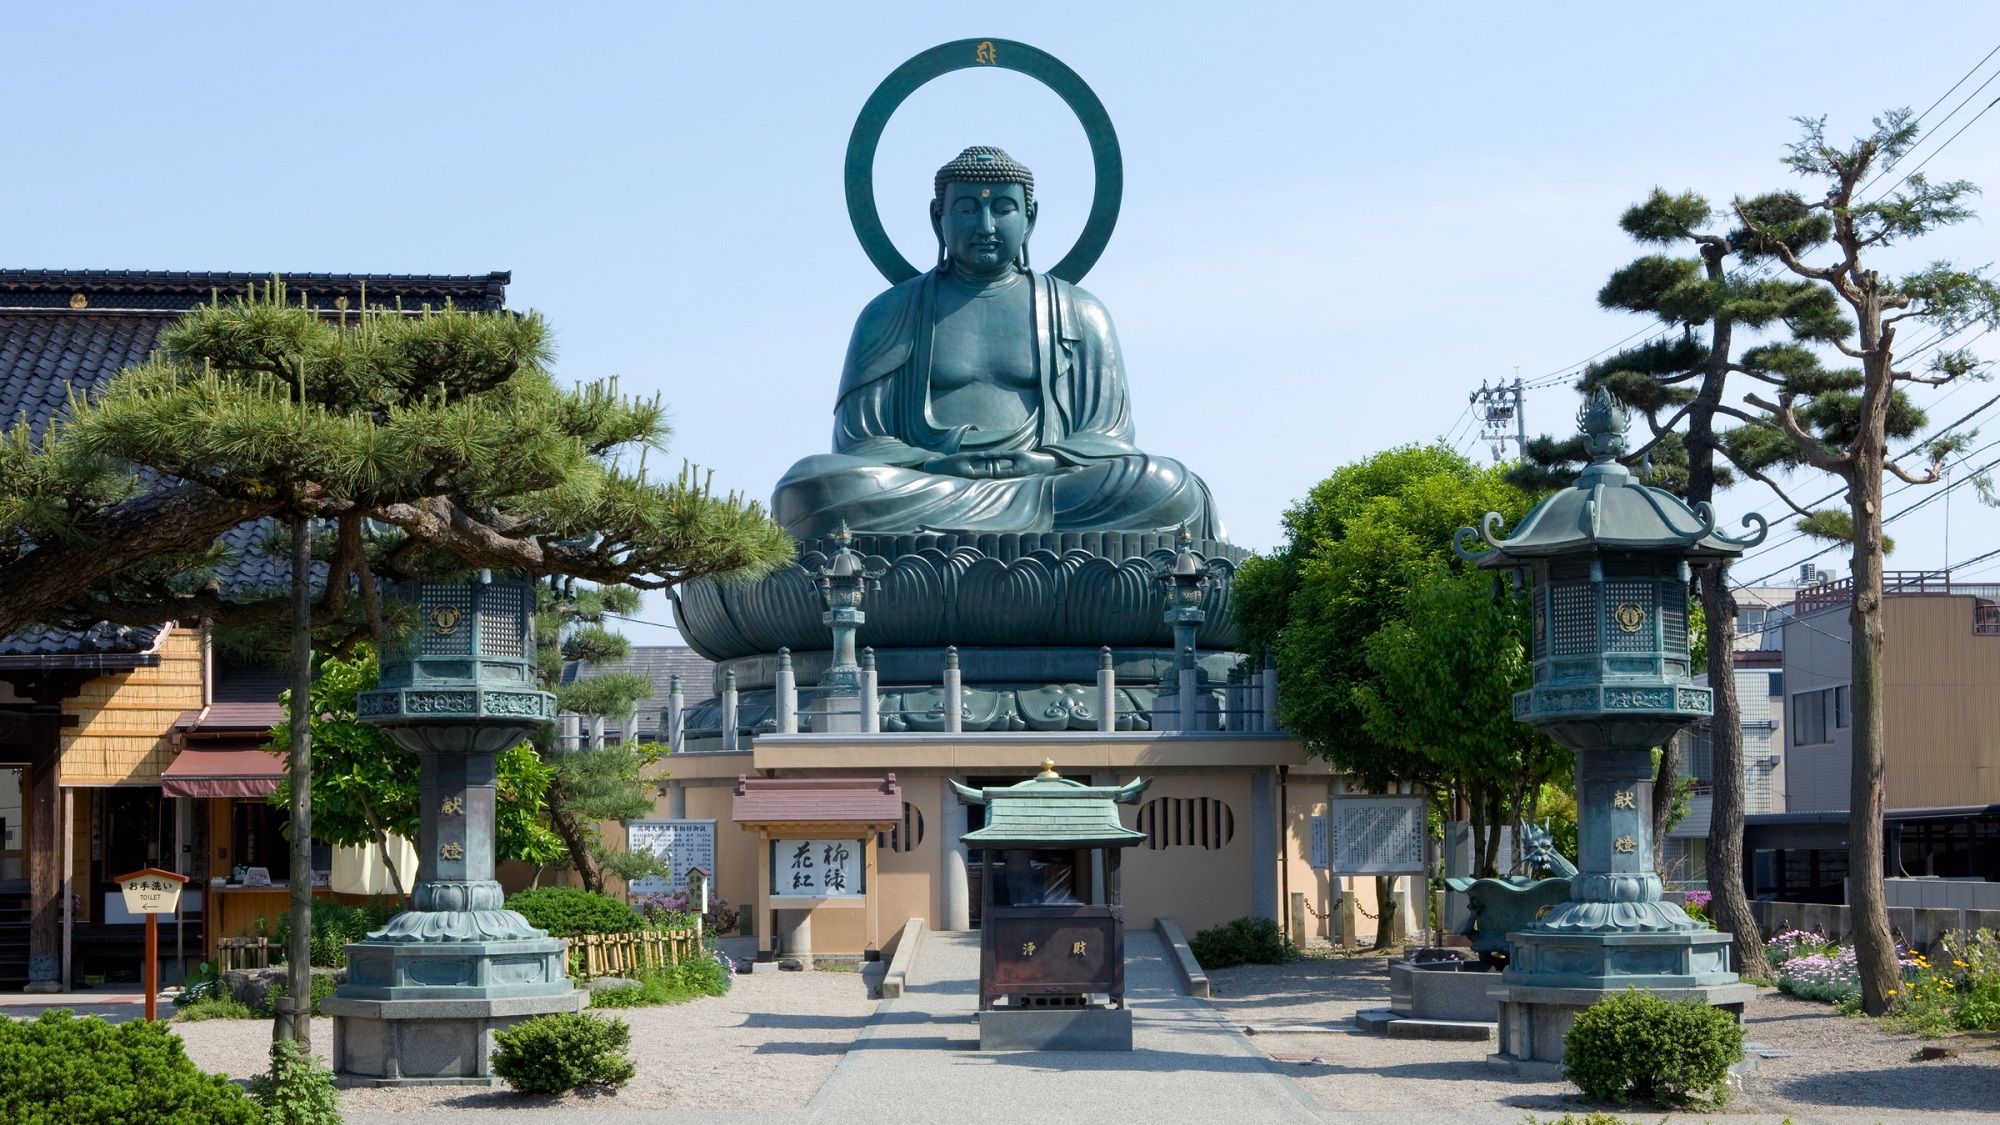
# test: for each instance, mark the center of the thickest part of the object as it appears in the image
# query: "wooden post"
(152, 973)
(764, 926)
(873, 894)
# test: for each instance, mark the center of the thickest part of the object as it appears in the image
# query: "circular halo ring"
(961, 55)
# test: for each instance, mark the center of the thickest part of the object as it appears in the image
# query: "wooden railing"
(243, 953)
(1911, 583)
(623, 955)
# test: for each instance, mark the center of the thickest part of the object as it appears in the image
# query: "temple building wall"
(1199, 866)
(123, 721)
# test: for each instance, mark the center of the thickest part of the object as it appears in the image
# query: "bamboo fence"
(624, 955)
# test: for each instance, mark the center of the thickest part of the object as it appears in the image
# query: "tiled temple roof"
(65, 332)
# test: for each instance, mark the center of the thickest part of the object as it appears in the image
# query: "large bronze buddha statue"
(984, 397)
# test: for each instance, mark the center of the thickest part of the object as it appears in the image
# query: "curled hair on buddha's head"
(981, 164)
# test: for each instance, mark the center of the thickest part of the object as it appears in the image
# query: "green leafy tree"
(1454, 642)
(365, 786)
(1333, 606)
(1678, 384)
(1841, 422)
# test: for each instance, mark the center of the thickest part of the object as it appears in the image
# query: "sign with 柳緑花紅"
(818, 868)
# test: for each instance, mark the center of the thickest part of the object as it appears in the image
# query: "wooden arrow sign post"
(152, 892)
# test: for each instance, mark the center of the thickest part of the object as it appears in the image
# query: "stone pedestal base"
(424, 1012)
(429, 1042)
(1554, 976)
(1055, 1029)
(1534, 1020)
(1442, 994)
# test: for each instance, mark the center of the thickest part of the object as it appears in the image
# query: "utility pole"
(1499, 405)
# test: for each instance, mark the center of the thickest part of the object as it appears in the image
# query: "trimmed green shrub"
(333, 926)
(298, 1091)
(564, 1051)
(62, 1069)
(695, 977)
(569, 911)
(1676, 1053)
(1254, 941)
(215, 1005)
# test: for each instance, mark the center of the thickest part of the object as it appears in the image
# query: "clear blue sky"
(1338, 219)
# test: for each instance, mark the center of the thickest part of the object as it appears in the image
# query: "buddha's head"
(983, 211)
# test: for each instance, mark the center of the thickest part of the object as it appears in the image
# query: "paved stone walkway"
(920, 1060)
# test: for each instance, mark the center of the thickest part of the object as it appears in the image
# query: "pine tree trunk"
(1874, 948)
(1731, 905)
(1664, 781)
(576, 840)
(298, 1022)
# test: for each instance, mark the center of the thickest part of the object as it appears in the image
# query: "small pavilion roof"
(818, 800)
(1051, 811)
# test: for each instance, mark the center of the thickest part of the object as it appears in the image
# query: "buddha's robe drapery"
(884, 430)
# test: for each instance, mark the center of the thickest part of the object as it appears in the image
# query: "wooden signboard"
(152, 892)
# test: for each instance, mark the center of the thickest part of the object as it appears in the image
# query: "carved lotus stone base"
(1056, 590)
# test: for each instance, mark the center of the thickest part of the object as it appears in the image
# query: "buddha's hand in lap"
(983, 466)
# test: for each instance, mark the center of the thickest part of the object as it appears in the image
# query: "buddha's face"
(984, 226)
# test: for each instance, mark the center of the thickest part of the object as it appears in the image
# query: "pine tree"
(595, 784)
(1677, 383)
(1841, 422)
(446, 428)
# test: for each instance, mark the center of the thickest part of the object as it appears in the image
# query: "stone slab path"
(920, 1058)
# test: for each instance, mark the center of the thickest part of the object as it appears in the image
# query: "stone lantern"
(425, 993)
(1184, 582)
(1606, 563)
(842, 583)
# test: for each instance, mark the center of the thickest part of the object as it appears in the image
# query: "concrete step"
(1376, 1019)
(1443, 1029)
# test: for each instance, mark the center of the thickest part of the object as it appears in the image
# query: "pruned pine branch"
(446, 426)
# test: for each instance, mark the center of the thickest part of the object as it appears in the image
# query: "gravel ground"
(770, 1043)
(1839, 1065)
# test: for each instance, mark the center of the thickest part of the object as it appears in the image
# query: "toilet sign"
(151, 891)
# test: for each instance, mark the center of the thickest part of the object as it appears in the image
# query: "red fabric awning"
(226, 770)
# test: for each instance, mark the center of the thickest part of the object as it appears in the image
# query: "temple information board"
(682, 843)
(1319, 847)
(817, 868)
(1378, 835)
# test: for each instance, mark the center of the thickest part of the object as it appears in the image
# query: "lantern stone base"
(429, 1042)
(424, 1012)
(1553, 977)
(1055, 1029)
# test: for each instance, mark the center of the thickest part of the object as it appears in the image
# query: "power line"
(1886, 520)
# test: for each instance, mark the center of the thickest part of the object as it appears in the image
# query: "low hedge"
(570, 911)
(63, 1069)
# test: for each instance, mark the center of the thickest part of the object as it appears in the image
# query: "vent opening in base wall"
(1174, 822)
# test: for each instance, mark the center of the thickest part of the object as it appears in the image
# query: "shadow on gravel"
(802, 1048)
(1943, 1086)
(787, 1021)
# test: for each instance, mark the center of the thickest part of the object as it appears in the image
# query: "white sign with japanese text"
(1378, 835)
(682, 843)
(817, 868)
(151, 894)
(1319, 845)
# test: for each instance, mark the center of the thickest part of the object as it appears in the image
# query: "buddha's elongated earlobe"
(1021, 259)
